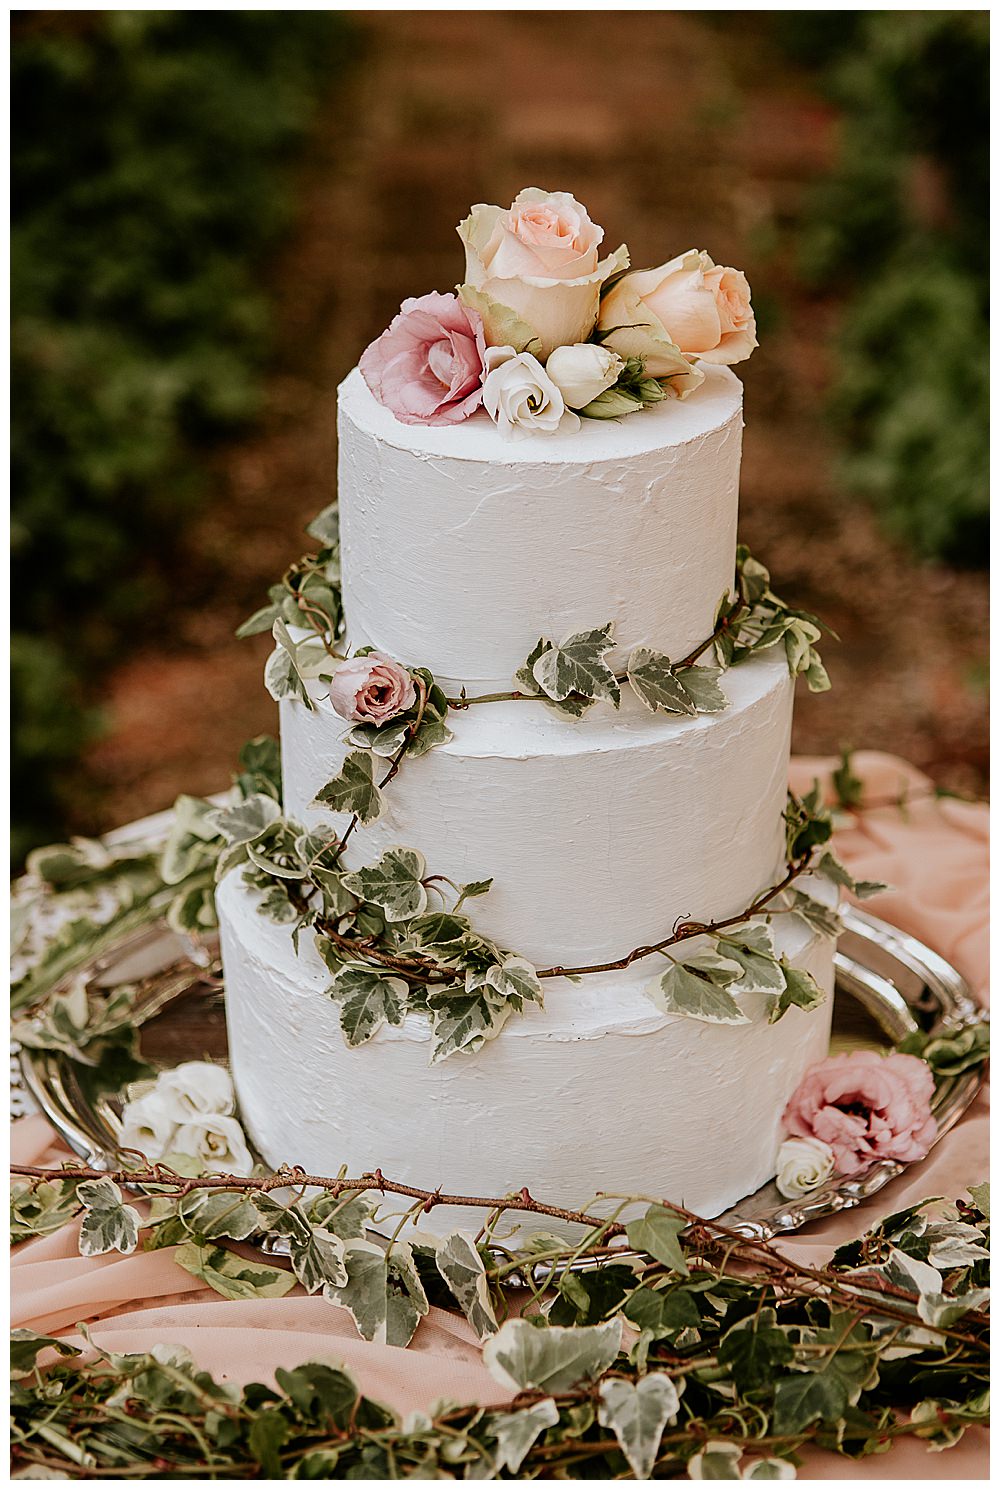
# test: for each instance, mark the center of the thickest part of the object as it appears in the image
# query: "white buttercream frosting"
(461, 548)
(598, 1090)
(599, 832)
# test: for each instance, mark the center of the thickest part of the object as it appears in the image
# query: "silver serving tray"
(888, 984)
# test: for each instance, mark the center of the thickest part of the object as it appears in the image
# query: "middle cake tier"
(600, 833)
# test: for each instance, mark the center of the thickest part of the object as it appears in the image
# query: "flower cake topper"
(543, 330)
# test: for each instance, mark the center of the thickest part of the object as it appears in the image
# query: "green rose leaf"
(394, 883)
(354, 790)
(657, 685)
(800, 990)
(637, 1415)
(383, 1292)
(108, 1225)
(515, 1432)
(458, 1261)
(697, 989)
(577, 665)
(525, 1358)
(657, 1232)
(368, 998)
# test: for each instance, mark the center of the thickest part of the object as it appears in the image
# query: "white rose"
(197, 1087)
(538, 259)
(149, 1124)
(583, 371)
(803, 1165)
(217, 1141)
(520, 397)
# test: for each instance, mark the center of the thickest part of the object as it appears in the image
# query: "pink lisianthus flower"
(428, 366)
(372, 689)
(865, 1106)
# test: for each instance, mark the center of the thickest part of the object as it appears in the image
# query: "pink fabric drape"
(935, 855)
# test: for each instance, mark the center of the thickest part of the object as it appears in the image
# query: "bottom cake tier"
(598, 1091)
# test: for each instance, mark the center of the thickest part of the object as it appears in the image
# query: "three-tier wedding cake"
(541, 925)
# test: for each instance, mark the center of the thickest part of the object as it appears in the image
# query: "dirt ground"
(676, 133)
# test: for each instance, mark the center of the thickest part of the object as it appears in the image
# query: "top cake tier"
(461, 548)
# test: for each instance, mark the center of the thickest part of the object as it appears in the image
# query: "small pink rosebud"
(372, 689)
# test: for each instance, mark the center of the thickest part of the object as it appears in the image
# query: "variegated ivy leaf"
(394, 883)
(215, 1213)
(831, 868)
(752, 946)
(817, 681)
(755, 581)
(285, 671)
(556, 1359)
(815, 914)
(701, 684)
(473, 890)
(654, 680)
(368, 999)
(318, 1262)
(387, 740)
(637, 1414)
(354, 790)
(287, 867)
(526, 682)
(799, 638)
(458, 1261)
(577, 665)
(108, 1224)
(801, 989)
(515, 979)
(516, 1432)
(326, 526)
(383, 1292)
(26, 1347)
(955, 1244)
(247, 820)
(465, 1021)
(231, 1276)
(698, 990)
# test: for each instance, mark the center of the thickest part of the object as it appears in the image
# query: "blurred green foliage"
(901, 225)
(150, 176)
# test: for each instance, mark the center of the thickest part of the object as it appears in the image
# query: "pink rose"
(534, 269)
(372, 689)
(428, 366)
(690, 305)
(865, 1106)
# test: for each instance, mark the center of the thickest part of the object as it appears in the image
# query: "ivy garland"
(716, 1356)
(568, 676)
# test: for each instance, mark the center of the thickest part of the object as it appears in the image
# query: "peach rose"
(535, 264)
(372, 689)
(865, 1106)
(689, 308)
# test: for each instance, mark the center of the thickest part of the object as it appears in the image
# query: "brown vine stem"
(708, 1234)
(724, 624)
(424, 970)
